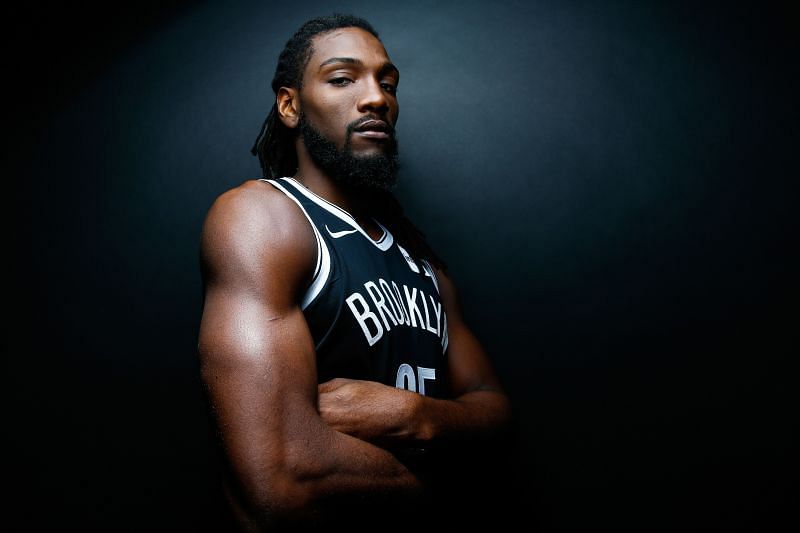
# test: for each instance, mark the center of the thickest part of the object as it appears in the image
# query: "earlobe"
(288, 104)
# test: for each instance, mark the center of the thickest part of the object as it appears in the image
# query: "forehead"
(347, 42)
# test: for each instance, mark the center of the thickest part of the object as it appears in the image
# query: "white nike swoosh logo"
(337, 234)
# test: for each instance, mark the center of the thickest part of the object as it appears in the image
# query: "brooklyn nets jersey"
(374, 313)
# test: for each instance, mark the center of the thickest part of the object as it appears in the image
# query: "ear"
(288, 104)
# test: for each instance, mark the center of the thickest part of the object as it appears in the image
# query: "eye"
(340, 82)
(389, 88)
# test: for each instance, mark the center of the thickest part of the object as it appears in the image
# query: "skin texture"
(293, 445)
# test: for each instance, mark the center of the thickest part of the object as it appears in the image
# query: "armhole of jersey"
(322, 269)
(429, 270)
(432, 273)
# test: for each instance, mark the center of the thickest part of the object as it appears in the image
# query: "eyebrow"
(385, 68)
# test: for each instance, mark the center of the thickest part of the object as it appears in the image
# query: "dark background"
(612, 184)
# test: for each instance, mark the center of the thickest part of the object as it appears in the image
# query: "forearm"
(392, 417)
(320, 470)
(475, 414)
(345, 465)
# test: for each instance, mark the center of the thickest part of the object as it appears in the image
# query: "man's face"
(349, 108)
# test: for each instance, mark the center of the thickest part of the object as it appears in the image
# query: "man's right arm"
(259, 365)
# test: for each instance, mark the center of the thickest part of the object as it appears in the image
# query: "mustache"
(356, 123)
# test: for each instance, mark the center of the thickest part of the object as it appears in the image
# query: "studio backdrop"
(611, 184)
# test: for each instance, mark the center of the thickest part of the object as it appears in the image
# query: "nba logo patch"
(411, 264)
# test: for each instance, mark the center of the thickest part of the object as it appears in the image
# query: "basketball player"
(336, 359)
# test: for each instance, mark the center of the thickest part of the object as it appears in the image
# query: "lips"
(373, 134)
(376, 126)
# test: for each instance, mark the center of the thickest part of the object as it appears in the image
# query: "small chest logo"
(338, 234)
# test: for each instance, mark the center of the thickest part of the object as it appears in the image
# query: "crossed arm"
(389, 416)
(290, 443)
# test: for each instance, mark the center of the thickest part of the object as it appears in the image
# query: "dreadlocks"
(274, 145)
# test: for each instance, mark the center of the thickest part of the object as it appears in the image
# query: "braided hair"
(274, 145)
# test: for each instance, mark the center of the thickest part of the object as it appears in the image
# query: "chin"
(369, 154)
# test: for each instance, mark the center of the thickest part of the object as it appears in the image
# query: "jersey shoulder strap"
(322, 269)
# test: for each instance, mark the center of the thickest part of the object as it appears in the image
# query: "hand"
(367, 410)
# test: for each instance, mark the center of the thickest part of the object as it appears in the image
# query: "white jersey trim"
(432, 273)
(383, 244)
(323, 267)
(429, 269)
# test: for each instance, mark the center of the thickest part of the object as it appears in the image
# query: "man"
(336, 360)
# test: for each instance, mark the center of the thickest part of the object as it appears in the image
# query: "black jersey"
(374, 313)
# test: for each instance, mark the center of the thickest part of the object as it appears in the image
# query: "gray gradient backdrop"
(611, 183)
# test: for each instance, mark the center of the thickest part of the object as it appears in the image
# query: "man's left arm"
(388, 416)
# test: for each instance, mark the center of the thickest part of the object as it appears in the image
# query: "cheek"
(330, 116)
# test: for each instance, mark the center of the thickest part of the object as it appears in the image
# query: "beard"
(377, 172)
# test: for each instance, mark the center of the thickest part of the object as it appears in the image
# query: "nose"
(373, 98)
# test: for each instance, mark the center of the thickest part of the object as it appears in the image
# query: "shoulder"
(447, 290)
(254, 227)
(443, 280)
(253, 204)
